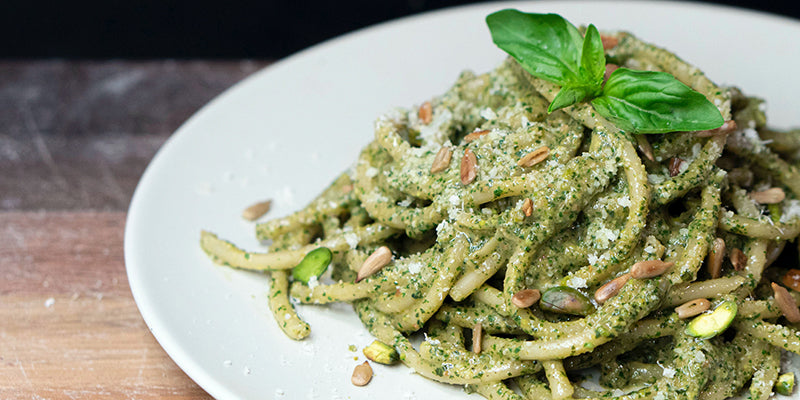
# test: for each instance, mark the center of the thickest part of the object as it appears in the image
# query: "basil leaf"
(569, 95)
(654, 102)
(545, 45)
(593, 58)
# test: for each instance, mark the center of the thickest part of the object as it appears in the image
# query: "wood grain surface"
(75, 137)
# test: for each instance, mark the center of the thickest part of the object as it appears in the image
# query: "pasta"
(481, 194)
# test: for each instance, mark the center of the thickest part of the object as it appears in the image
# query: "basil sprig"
(551, 48)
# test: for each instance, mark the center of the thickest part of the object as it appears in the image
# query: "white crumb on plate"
(49, 302)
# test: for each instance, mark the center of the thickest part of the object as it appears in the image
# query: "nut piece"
(527, 206)
(534, 157)
(786, 303)
(726, 128)
(715, 257)
(425, 113)
(362, 374)
(649, 268)
(770, 196)
(468, 163)
(381, 353)
(792, 279)
(644, 146)
(738, 259)
(377, 260)
(477, 338)
(692, 308)
(525, 298)
(566, 300)
(611, 288)
(256, 210)
(675, 165)
(474, 135)
(609, 42)
(442, 159)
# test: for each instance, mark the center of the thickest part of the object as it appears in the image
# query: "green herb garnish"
(551, 48)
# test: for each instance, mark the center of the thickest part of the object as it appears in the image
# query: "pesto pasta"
(530, 247)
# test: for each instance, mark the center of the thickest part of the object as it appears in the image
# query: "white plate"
(287, 131)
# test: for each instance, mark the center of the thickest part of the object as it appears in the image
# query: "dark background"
(266, 29)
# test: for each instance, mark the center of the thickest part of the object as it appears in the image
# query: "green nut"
(381, 353)
(313, 264)
(785, 384)
(708, 325)
(566, 300)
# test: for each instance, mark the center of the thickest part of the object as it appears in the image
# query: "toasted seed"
(692, 308)
(477, 338)
(425, 113)
(534, 157)
(474, 135)
(644, 146)
(362, 374)
(792, 279)
(738, 259)
(527, 206)
(609, 42)
(726, 128)
(786, 303)
(715, 257)
(525, 298)
(377, 260)
(770, 196)
(611, 288)
(650, 268)
(675, 165)
(442, 159)
(468, 163)
(256, 210)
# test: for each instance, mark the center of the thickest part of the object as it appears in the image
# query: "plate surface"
(287, 131)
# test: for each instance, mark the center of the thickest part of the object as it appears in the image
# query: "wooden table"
(74, 138)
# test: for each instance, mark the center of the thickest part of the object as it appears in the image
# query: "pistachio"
(708, 325)
(566, 300)
(785, 384)
(312, 265)
(381, 353)
(362, 374)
